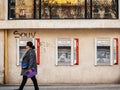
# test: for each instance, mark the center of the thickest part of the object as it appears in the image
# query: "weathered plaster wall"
(49, 73)
(1, 56)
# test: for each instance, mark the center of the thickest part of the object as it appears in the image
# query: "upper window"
(63, 9)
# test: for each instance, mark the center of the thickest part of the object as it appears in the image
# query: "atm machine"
(21, 48)
(67, 51)
(106, 51)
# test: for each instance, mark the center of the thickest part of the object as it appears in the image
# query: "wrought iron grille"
(63, 9)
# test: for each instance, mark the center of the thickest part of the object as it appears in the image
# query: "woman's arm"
(31, 57)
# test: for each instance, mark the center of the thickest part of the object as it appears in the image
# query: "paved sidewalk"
(67, 87)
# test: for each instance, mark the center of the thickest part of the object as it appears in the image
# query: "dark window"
(63, 9)
(105, 10)
(21, 9)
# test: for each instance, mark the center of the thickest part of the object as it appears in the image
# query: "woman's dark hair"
(30, 44)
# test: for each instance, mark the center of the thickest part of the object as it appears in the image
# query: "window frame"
(40, 18)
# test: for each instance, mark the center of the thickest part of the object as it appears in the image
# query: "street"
(67, 87)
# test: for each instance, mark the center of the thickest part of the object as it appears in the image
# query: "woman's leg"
(35, 83)
(23, 82)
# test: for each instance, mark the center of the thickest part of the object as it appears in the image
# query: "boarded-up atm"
(21, 48)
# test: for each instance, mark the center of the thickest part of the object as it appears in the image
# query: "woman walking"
(28, 64)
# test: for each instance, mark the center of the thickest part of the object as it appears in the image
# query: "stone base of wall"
(1, 78)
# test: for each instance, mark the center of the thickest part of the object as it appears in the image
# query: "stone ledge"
(36, 24)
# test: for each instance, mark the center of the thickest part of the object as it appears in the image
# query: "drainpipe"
(5, 56)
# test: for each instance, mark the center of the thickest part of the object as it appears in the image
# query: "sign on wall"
(115, 50)
(24, 34)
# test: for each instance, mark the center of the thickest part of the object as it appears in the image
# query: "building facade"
(76, 41)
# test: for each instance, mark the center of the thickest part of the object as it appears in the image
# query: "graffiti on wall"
(45, 45)
(18, 34)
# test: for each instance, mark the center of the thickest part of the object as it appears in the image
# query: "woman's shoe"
(37, 89)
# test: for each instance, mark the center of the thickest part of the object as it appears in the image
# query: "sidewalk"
(67, 87)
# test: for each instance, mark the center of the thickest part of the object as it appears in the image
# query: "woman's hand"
(29, 70)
